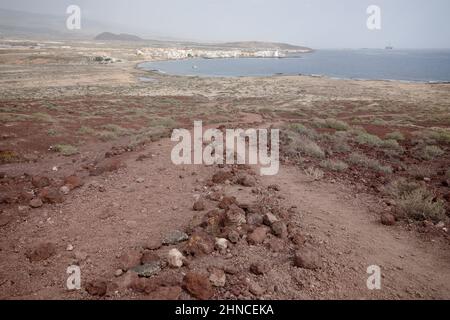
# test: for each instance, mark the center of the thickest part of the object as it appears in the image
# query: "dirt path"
(349, 229)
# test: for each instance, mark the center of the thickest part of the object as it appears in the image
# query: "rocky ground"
(86, 179)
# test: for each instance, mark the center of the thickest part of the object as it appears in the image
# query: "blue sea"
(363, 64)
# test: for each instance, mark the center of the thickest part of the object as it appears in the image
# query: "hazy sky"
(314, 23)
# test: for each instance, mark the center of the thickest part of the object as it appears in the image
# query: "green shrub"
(338, 141)
(106, 135)
(332, 124)
(379, 122)
(420, 171)
(314, 173)
(86, 130)
(398, 136)
(369, 140)
(162, 122)
(420, 205)
(52, 132)
(400, 187)
(301, 129)
(334, 165)
(310, 148)
(116, 129)
(391, 144)
(441, 136)
(363, 161)
(65, 149)
(429, 152)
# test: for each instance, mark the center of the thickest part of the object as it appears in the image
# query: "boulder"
(257, 236)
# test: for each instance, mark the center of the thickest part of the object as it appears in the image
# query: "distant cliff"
(108, 36)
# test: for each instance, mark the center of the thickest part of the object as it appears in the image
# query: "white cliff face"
(179, 53)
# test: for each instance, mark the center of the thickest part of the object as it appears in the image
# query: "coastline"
(221, 69)
(139, 67)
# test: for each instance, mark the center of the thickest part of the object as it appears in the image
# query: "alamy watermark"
(73, 22)
(251, 147)
(374, 19)
(74, 280)
(374, 280)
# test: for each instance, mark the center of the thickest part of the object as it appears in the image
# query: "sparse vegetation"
(303, 130)
(86, 130)
(44, 117)
(310, 148)
(106, 135)
(420, 204)
(414, 201)
(332, 124)
(338, 141)
(397, 136)
(65, 149)
(420, 171)
(391, 144)
(116, 129)
(363, 161)
(334, 165)
(8, 156)
(400, 187)
(429, 152)
(314, 173)
(162, 122)
(11, 117)
(368, 139)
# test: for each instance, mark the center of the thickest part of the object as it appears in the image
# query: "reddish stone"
(198, 286)
(388, 219)
(226, 202)
(235, 216)
(73, 182)
(200, 243)
(51, 195)
(107, 165)
(257, 236)
(97, 288)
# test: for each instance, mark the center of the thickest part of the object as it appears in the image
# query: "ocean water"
(364, 64)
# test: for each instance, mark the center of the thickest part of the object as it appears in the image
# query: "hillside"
(108, 36)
